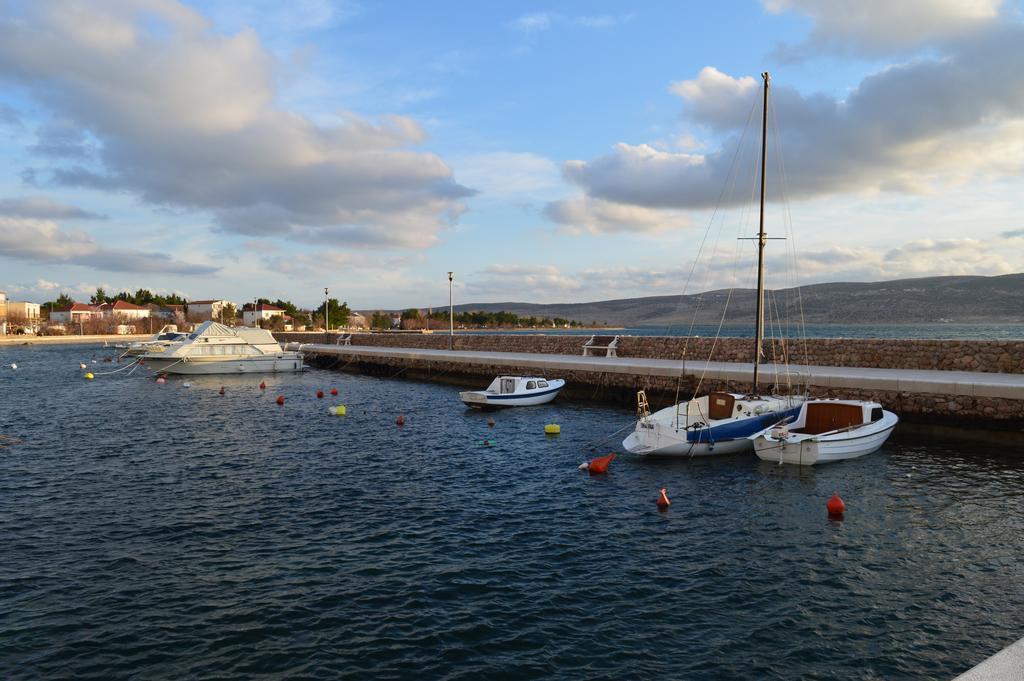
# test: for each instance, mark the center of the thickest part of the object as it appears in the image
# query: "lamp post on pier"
(451, 315)
(327, 319)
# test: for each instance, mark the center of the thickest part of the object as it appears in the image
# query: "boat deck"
(970, 383)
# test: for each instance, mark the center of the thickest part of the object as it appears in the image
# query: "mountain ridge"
(958, 298)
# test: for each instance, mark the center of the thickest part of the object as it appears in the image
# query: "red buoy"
(600, 465)
(280, 399)
(221, 390)
(663, 502)
(320, 393)
(400, 421)
(334, 391)
(263, 386)
(835, 507)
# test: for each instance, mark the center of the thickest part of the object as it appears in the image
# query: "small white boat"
(168, 334)
(217, 349)
(826, 431)
(514, 391)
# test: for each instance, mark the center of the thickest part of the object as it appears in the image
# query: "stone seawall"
(620, 388)
(948, 355)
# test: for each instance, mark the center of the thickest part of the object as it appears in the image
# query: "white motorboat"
(719, 423)
(826, 431)
(514, 391)
(214, 348)
(166, 335)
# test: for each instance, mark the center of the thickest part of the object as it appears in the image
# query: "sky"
(543, 152)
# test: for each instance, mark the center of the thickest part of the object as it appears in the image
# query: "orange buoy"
(320, 394)
(263, 386)
(835, 507)
(663, 502)
(600, 465)
(490, 422)
(400, 421)
(334, 391)
(280, 399)
(221, 390)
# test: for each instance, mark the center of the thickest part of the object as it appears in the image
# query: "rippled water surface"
(162, 531)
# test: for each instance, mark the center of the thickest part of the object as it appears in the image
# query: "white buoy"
(81, 365)
(14, 366)
(584, 466)
(186, 384)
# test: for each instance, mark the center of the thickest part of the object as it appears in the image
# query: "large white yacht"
(165, 336)
(218, 349)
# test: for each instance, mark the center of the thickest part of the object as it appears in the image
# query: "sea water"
(158, 531)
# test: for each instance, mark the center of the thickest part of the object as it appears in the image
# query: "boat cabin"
(507, 385)
(824, 416)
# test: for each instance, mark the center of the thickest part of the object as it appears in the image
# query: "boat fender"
(339, 410)
(663, 502)
(89, 376)
(600, 465)
(552, 429)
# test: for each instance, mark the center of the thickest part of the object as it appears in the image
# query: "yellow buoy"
(338, 411)
(552, 429)
(89, 376)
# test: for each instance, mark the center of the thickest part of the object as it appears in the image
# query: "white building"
(358, 321)
(79, 312)
(123, 312)
(23, 315)
(3, 313)
(202, 310)
(262, 313)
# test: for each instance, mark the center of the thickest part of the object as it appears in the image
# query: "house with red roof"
(122, 311)
(79, 312)
(261, 313)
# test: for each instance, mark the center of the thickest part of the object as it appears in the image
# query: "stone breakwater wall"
(944, 355)
(932, 408)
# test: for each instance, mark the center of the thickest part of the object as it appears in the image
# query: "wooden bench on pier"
(601, 346)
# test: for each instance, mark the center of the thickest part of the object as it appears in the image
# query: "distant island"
(956, 299)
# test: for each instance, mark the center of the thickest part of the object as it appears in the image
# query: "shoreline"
(72, 340)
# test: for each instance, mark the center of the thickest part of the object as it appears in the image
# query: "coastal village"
(120, 316)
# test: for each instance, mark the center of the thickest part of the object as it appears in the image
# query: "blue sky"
(545, 152)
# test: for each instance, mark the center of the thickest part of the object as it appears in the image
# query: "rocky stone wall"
(946, 410)
(949, 355)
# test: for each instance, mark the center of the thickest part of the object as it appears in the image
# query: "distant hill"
(986, 300)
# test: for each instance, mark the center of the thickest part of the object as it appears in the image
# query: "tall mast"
(761, 239)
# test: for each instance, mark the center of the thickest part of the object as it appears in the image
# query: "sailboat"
(720, 422)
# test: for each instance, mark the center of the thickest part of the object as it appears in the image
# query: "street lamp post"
(327, 319)
(451, 315)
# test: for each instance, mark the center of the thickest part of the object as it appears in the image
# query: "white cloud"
(39, 240)
(510, 174)
(913, 128)
(186, 118)
(43, 208)
(537, 22)
(884, 26)
(584, 214)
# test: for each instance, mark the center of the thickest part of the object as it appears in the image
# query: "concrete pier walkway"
(957, 383)
(1006, 665)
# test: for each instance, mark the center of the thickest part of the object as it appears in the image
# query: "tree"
(379, 320)
(99, 297)
(337, 314)
(228, 313)
(63, 300)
